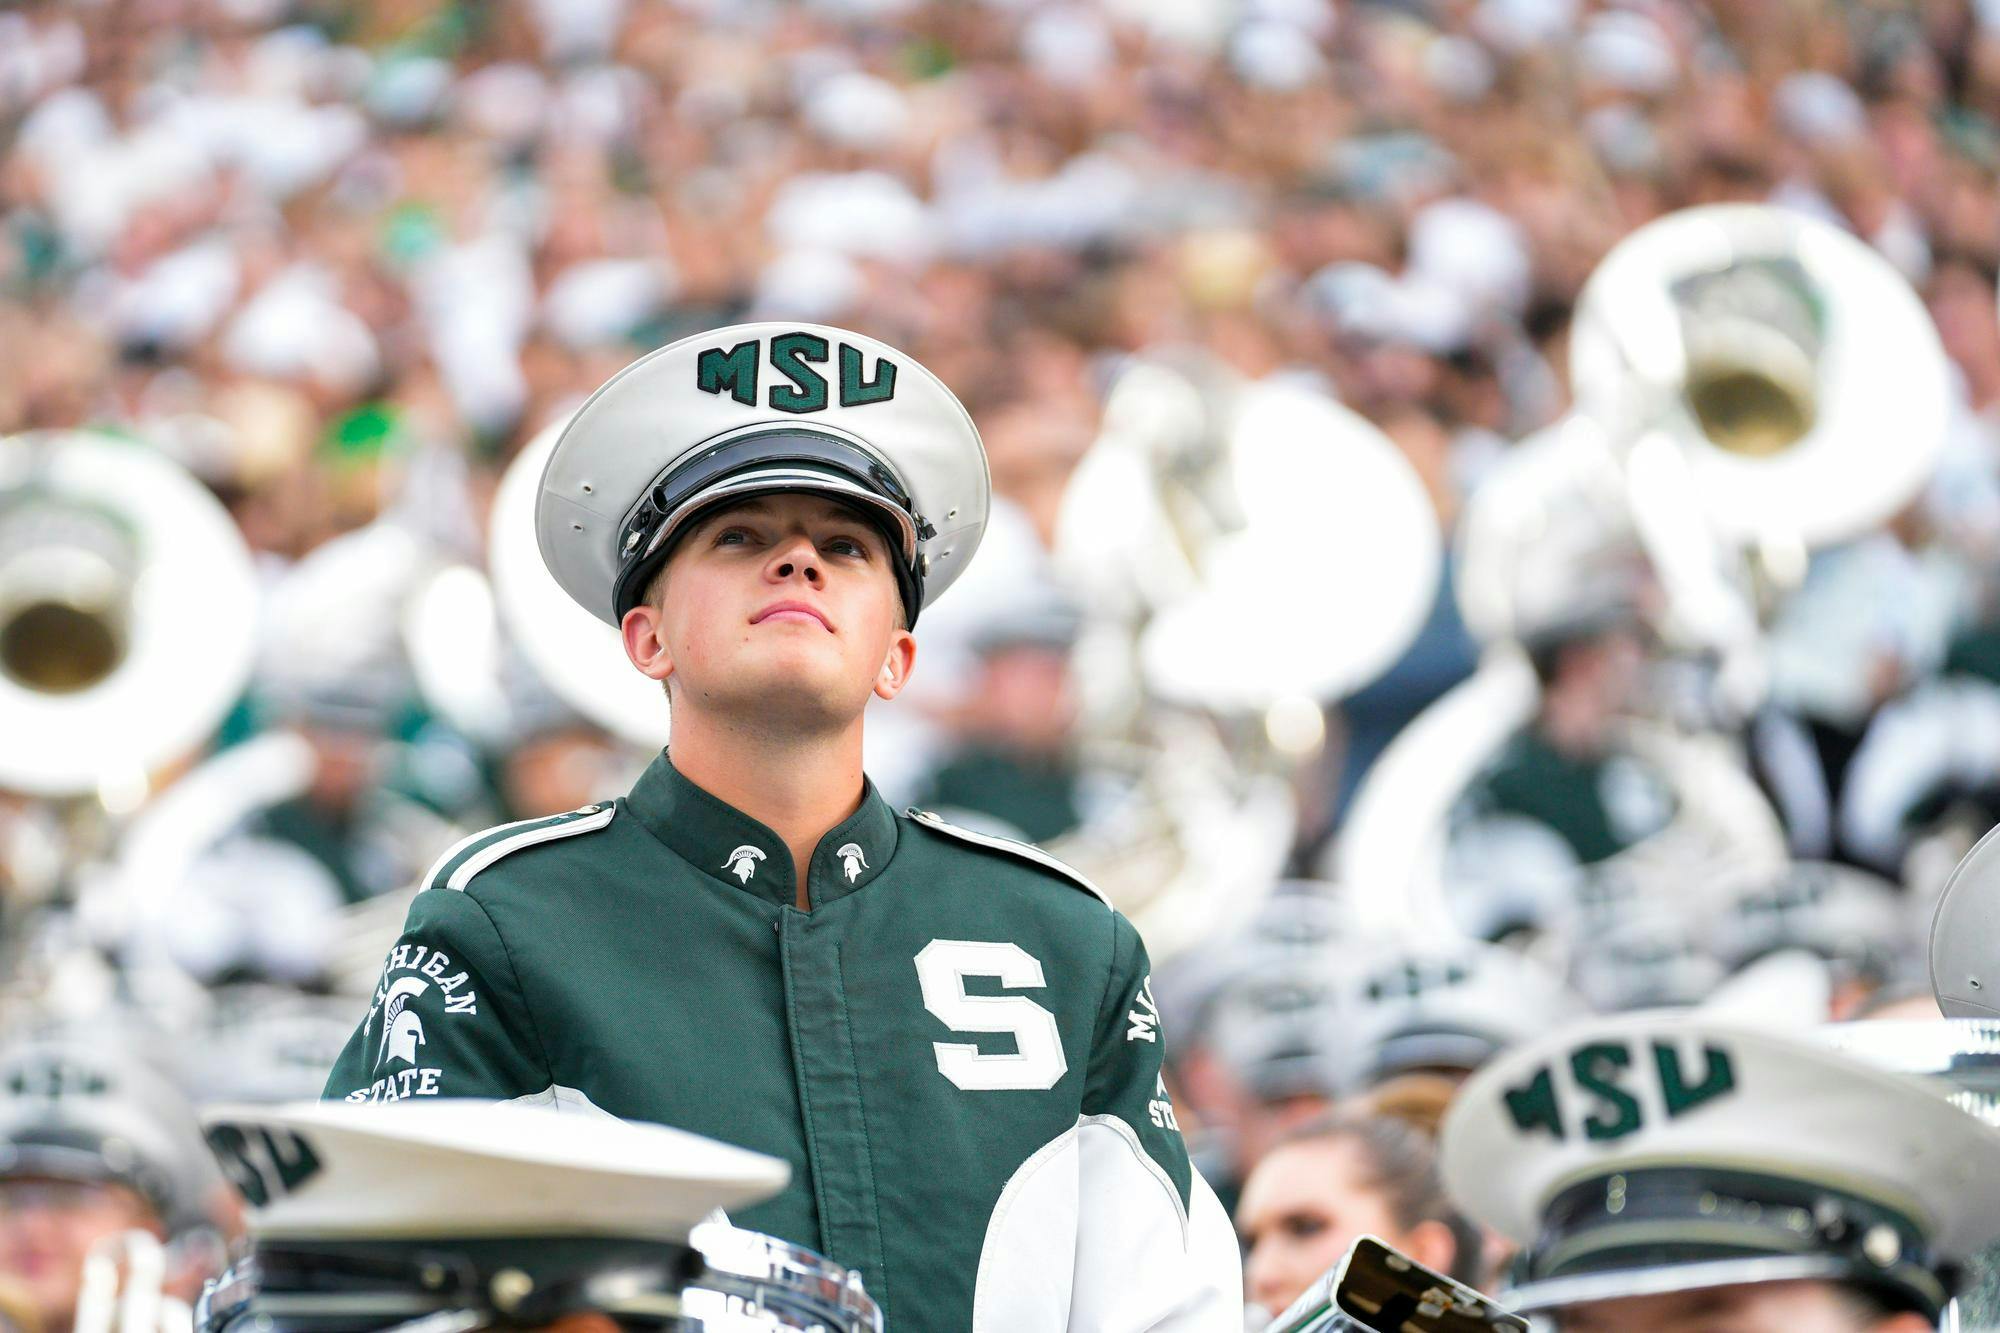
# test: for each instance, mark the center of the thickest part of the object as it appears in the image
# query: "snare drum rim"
(740, 1262)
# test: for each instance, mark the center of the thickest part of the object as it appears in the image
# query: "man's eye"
(731, 537)
(847, 546)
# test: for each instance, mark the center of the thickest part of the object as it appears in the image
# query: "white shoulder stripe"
(1026, 851)
(527, 838)
(466, 842)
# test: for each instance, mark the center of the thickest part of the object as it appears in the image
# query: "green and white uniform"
(955, 1049)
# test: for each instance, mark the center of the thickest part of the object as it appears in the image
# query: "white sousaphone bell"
(1277, 546)
(1789, 367)
(1751, 384)
(1247, 553)
(128, 616)
(463, 624)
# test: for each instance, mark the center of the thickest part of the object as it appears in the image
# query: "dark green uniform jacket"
(956, 1049)
(1599, 806)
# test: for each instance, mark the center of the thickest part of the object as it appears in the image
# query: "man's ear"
(644, 634)
(896, 665)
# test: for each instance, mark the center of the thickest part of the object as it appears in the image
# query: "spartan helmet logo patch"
(402, 1030)
(742, 862)
(852, 860)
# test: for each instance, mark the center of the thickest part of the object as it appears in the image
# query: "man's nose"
(796, 557)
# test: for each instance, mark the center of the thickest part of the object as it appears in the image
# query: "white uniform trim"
(556, 1097)
(1089, 1235)
(1031, 1231)
(467, 841)
(1023, 850)
(1130, 1138)
(486, 856)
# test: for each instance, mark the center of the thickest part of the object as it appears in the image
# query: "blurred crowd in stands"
(344, 260)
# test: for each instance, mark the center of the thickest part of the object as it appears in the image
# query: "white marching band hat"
(1447, 1005)
(1299, 1016)
(1641, 1154)
(468, 1214)
(456, 1169)
(754, 409)
(74, 1107)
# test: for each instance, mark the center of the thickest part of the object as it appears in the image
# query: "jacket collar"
(734, 849)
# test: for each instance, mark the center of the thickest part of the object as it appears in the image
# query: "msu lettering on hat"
(76, 1107)
(1422, 1003)
(755, 409)
(1663, 1152)
(457, 1169)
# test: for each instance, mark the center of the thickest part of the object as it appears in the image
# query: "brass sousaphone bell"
(127, 615)
(1751, 384)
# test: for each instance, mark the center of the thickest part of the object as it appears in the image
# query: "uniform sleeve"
(1154, 1249)
(447, 1018)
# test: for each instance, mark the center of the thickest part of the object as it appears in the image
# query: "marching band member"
(950, 1039)
(95, 1148)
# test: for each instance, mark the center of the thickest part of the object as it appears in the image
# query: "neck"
(798, 786)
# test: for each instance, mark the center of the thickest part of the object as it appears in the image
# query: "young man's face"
(1765, 1307)
(785, 606)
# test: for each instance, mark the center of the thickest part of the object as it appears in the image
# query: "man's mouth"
(801, 611)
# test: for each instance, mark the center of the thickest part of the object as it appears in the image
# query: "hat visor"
(86, 1166)
(786, 478)
(60, 1161)
(1559, 1293)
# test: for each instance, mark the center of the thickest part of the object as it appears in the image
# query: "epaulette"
(475, 852)
(1020, 851)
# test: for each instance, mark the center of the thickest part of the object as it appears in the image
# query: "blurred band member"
(1345, 1175)
(92, 1148)
(1565, 771)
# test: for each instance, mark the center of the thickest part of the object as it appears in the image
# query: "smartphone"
(1376, 1289)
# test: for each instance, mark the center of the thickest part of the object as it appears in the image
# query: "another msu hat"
(72, 1109)
(1341, 1015)
(1447, 1005)
(1664, 1152)
(754, 409)
(1279, 1027)
(1965, 935)
(264, 1044)
(1850, 917)
(371, 1216)
(456, 1169)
